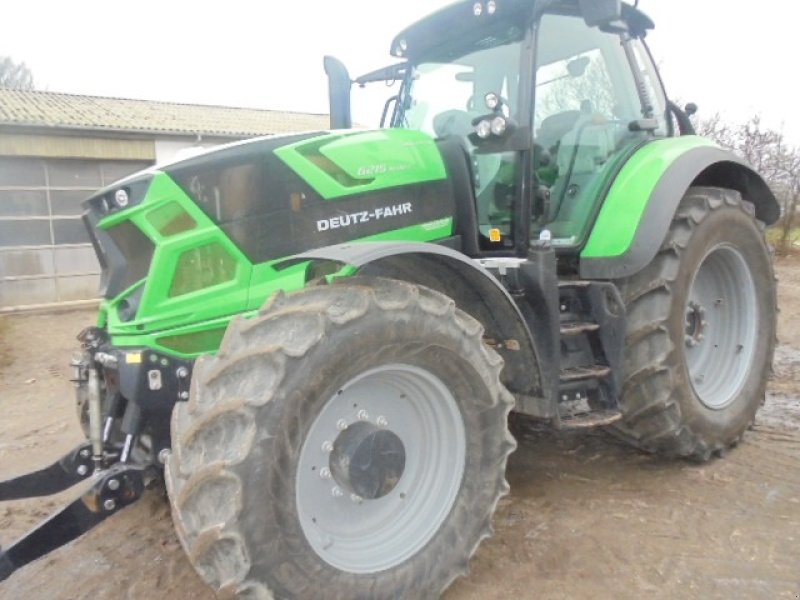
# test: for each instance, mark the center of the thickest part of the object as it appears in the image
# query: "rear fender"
(474, 290)
(641, 203)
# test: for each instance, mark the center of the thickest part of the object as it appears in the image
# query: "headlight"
(499, 126)
(492, 101)
(121, 197)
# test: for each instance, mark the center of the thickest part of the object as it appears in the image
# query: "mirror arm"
(385, 113)
(685, 126)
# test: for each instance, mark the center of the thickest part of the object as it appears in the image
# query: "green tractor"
(317, 339)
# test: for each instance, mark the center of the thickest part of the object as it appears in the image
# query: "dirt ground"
(587, 517)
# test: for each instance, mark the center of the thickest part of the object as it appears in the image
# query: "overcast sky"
(720, 54)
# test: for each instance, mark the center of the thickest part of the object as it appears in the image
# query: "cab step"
(598, 418)
(584, 373)
(592, 327)
(572, 329)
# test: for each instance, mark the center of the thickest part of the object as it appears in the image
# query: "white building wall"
(168, 151)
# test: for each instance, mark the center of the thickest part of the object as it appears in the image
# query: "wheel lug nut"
(337, 492)
(363, 415)
(381, 421)
(356, 498)
(341, 424)
(113, 485)
(82, 470)
(325, 473)
(109, 504)
(327, 446)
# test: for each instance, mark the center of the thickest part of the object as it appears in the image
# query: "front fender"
(474, 290)
(642, 201)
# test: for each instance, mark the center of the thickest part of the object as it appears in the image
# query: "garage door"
(45, 253)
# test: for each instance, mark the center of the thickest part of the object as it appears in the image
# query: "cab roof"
(461, 20)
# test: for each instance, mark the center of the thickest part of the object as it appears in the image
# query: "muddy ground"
(586, 518)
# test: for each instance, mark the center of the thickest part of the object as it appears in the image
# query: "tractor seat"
(452, 122)
(555, 127)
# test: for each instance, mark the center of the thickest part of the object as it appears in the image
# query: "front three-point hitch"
(110, 490)
(111, 481)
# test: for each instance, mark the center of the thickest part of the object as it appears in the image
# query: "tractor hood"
(201, 240)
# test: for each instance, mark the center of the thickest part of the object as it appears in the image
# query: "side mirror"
(690, 109)
(600, 12)
(339, 93)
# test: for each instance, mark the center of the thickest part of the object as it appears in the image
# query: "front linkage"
(119, 393)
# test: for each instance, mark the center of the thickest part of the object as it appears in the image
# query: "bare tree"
(790, 199)
(769, 153)
(15, 76)
(566, 92)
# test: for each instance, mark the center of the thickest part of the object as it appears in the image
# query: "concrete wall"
(45, 253)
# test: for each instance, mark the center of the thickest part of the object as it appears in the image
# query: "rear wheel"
(701, 330)
(349, 442)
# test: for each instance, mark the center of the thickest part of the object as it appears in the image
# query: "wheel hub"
(696, 324)
(367, 461)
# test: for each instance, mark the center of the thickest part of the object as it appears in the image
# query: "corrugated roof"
(70, 111)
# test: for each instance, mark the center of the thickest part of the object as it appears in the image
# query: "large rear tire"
(701, 330)
(349, 442)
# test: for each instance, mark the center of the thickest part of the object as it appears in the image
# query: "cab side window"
(585, 100)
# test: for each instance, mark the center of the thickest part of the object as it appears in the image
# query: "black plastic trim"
(456, 159)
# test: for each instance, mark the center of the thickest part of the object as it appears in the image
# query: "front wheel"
(701, 330)
(349, 442)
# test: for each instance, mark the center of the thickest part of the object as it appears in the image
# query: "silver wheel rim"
(361, 536)
(720, 327)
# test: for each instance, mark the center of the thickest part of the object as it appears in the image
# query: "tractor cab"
(545, 100)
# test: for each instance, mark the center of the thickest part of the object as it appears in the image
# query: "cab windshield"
(443, 97)
(444, 94)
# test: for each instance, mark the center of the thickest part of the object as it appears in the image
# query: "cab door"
(588, 119)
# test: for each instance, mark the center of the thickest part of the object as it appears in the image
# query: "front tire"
(274, 480)
(701, 330)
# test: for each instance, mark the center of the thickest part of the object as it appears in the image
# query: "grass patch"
(774, 235)
(792, 244)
